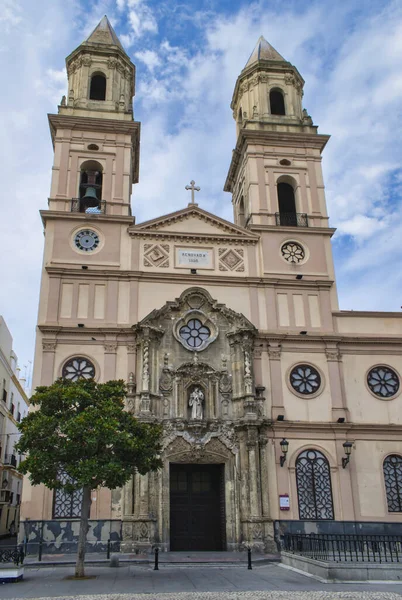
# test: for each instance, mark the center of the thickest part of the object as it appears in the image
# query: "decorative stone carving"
(231, 259)
(131, 385)
(110, 347)
(195, 402)
(49, 346)
(156, 255)
(166, 381)
(333, 355)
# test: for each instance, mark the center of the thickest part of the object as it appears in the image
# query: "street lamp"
(284, 447)
(347, 446)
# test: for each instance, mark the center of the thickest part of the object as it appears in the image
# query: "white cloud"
(351, 64)
(149, 58)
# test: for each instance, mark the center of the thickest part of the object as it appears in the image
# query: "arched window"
(287, 204)
(314, 491)
(97, 90)
(241, 213)
(392, 468)
(276, 102)
(90, 186)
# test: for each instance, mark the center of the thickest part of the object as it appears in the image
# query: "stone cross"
(193, 189)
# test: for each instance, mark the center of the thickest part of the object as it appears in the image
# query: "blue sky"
(188, 55)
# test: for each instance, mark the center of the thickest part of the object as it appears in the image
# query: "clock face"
(86, 240)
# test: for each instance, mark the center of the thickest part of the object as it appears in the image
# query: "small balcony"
(89, 206)
(5, 496)
(291, 219)
(10, 459)
(5, 396)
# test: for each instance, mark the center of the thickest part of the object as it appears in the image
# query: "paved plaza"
(138, 582)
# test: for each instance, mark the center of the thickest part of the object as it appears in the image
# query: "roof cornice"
(276, 138)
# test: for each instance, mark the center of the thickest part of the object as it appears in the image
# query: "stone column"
(110, 361)
(253, 473)
(48, 357)
(274, 353)
(339, 407)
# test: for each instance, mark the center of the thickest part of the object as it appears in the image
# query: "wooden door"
(197, 518)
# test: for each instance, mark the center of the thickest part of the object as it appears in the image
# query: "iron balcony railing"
(345, 547)
(93, 207)
(10, 459)
(291, 219)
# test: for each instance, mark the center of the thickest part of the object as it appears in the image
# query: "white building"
(13, 407)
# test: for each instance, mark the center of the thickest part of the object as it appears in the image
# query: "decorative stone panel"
(156, 255)
(231, 259)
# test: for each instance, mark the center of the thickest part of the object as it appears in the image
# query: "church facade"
(280, 412)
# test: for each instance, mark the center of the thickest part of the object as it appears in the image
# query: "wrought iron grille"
(66, 505)
(77, 368)
(12, 554)
(383, 382)
(392, 467)
(345, 547)
(291, 219)
(314, 491)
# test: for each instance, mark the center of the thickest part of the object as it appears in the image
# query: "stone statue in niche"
(195, 402)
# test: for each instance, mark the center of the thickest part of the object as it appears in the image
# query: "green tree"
(81, 428)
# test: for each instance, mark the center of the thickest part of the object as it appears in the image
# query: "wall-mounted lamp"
(284, 447)
(347, 446)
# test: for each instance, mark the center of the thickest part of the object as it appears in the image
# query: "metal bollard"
(156, 567)
(108, 550)
(249, 567)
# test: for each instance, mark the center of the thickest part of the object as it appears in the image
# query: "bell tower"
(95, 139)
(275, 176)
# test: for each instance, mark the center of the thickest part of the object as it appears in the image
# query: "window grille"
(392, 468)
(314, 491)
(66, 505)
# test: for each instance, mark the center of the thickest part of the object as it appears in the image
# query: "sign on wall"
(284, 502)
(194, 258)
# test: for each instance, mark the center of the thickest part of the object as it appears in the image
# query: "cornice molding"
(275, 138)
(231, 230)
(131, 128)
(47, 215)
(224, 280)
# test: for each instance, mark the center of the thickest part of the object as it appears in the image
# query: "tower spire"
(104, 34)
(263, 51)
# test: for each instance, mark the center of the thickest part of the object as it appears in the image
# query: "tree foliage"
(82, 428)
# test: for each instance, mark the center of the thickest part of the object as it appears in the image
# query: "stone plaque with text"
(194, 258)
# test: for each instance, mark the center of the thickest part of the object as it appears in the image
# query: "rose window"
(305, 379)
(194, 333)
(383, 382)
(78, 368)
(293, 252)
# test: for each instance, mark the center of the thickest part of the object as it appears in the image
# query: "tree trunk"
(85, 506)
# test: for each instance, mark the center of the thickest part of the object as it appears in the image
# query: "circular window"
(305, 380)
(293, 252)
(78, 368)
(194, 333)
(383, 381)
(86, 240)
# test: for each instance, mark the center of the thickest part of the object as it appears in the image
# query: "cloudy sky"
(188, 54)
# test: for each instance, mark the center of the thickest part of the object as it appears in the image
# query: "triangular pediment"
(193, 221)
